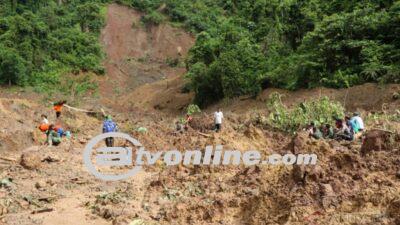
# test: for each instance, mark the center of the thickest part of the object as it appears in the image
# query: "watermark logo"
(111, 156)
(124, 156)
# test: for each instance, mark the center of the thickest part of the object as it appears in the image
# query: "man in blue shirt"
(109, 126)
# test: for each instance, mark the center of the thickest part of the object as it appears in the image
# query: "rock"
(379, 140)
(40, 185)
(398, 174)
(328, 196)
(31, 158)
(299, 142)
(327, 190)
(394, 210)
(6, 182)
(51, 158)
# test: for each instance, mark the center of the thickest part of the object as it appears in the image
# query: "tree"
(89, 18)
(12, 67)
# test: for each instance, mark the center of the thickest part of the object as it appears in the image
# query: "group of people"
(349, 128)
(54, 132)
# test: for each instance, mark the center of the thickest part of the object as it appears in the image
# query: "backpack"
(109, 126)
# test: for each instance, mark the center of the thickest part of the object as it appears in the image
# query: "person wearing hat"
(359, 123)
(109, 126)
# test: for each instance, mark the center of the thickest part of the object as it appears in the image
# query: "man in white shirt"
(44, 119)
(218, 116)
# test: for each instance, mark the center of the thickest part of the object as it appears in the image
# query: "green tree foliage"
(243, 45)
(193, 109)
(12, 66)
(153, 18)
(42, 40)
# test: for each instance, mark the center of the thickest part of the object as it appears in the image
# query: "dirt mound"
(380, 140)
(345, 187)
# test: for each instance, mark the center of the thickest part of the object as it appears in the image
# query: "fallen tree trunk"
(79, 110)
(8, 159)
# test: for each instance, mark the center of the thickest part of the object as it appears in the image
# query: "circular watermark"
(91, 167)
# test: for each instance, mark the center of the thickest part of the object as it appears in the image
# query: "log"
(8, 159)
(203, 134)
(42, 210)
(79, 110)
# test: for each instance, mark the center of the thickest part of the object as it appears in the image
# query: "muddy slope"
(138, 54)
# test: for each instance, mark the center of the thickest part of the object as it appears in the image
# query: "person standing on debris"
(218, 116)
(53, 138)
(109, 126)
(58, 108)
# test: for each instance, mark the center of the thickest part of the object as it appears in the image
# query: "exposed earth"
(352, 183)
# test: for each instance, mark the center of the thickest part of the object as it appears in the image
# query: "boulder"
(379, 140)
(31, 158)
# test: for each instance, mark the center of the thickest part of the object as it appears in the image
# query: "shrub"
(321, 110)
(153, 18)
(192, 109)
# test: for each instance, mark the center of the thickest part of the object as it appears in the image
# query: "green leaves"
(290, 44)
(41, 41)
(230, 64)
(12, 67)
(320, 111)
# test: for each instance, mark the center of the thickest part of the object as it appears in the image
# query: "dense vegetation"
(41, 40)
(242, 45)
(245, 45)
(320, 111)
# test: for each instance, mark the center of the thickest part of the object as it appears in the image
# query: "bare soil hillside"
(138, 54)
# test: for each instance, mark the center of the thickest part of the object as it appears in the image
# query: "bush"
(153, 18)
(192, 109)
(321, 111)
(12, 67)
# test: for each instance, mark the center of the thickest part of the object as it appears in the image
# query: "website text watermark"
(210, 156)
